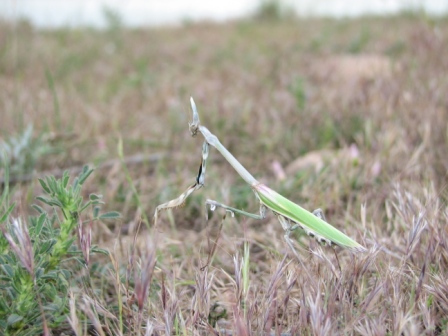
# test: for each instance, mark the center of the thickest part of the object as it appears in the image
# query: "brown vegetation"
(271, 91)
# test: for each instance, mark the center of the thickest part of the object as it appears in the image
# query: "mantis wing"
(312, 224)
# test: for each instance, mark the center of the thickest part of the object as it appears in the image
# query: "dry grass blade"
(22, 247)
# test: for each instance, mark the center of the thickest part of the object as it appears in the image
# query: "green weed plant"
(38, 254)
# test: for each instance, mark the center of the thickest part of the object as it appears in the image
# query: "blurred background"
(137, 13)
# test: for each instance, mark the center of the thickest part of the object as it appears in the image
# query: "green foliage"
(298, 90)
(114, 21)
(35, 276)
(337, 131)
(241, 196)
(57, 110)
(5, 209)
(358, 44)
(21, 152)
(272, 10)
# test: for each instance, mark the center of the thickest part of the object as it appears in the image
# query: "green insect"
(290, 215)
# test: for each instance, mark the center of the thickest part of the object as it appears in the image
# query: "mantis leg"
(319, 213)
(286, 224)
(283, 220)
(200, 181)
(213, 205)
(288, 228)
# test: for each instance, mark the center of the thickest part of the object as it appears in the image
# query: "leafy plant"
(35, 274)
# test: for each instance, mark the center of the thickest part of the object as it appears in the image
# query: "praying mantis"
(290, 215)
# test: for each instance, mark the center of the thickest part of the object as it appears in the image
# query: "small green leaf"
(4, 306)
(94, 197)
(7, 213)
(65, 179)
(8, 270)
(85, 174)
(57, 203)
(85, 206)
(66, 273)
(44, 186)
(13, 319)
(96, 249)
(52, 185)
(62, 280)
(7, 259)
(76, 183)
(96, 211)
(111, 214)
(46, 246)
(53, 275)
(52, 307)
(50, 202)
(40, 223)
(85, 169)
(44, 200)
(39, 272)
(39, 209)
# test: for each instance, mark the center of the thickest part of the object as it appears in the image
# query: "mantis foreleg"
(214, 204)
(200, 180)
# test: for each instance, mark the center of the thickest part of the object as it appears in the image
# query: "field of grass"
(349, 116)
